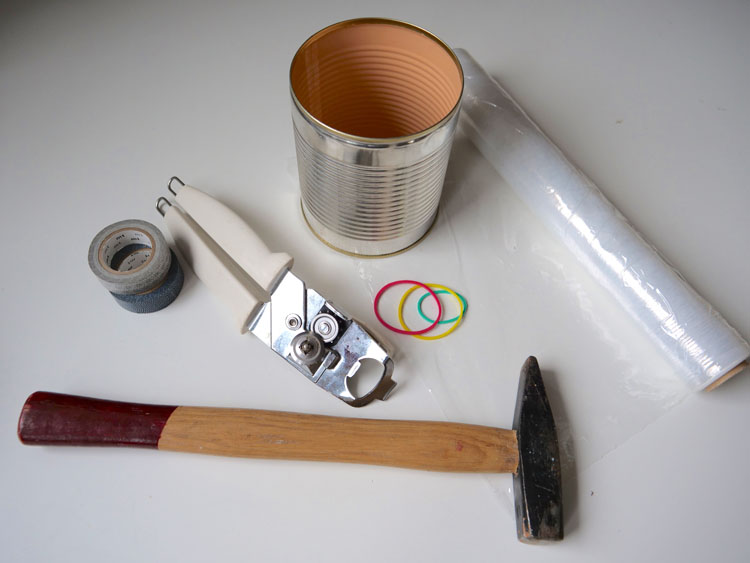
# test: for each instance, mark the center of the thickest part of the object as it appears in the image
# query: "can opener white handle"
(309, 332)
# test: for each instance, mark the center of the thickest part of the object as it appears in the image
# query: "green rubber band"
(425, 317)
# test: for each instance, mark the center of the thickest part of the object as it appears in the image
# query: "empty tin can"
(375, 107)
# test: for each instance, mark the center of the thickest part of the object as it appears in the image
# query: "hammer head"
(537, 483)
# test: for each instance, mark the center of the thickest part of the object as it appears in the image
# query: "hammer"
(529, 451)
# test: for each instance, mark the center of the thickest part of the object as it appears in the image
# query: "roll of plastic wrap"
(703, 347)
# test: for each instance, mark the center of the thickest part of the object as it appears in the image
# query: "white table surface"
(101, 102)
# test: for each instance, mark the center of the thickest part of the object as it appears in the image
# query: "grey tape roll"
(159, 297)
(129, 257)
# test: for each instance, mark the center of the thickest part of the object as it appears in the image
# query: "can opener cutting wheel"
(324, 343)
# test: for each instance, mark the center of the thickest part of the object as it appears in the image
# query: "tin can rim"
(377, 140)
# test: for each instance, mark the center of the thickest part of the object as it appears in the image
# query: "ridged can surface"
(371, 167)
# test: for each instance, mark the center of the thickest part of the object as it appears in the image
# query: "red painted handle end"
(70, 420)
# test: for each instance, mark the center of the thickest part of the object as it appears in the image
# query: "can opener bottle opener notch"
(320, 340)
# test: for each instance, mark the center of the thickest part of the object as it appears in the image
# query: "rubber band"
(440, 311)
(428, 319)
(406, 330)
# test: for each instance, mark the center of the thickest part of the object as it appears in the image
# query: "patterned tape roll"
(134, 263)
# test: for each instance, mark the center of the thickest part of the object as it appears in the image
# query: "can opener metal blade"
(324, 343)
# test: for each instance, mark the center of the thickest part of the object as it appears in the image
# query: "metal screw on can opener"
(322, 342)
(325, 326)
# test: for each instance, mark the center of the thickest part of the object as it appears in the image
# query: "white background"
(101, 102)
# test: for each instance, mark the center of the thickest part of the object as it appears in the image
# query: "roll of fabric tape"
(129, 257)
(159, 297)
(134, 263)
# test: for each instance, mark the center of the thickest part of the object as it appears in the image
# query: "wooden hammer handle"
(53, 419)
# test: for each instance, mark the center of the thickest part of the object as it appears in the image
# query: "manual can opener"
(325, 344)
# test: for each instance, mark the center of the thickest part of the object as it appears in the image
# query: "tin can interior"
(376, 79)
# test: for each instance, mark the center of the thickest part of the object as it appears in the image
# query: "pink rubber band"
(398, 330)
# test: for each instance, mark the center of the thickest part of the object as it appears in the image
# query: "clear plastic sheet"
(557, 293)
(696, 339)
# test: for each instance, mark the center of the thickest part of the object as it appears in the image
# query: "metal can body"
(373, 195)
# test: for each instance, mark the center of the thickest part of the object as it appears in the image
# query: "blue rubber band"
(425, 317)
